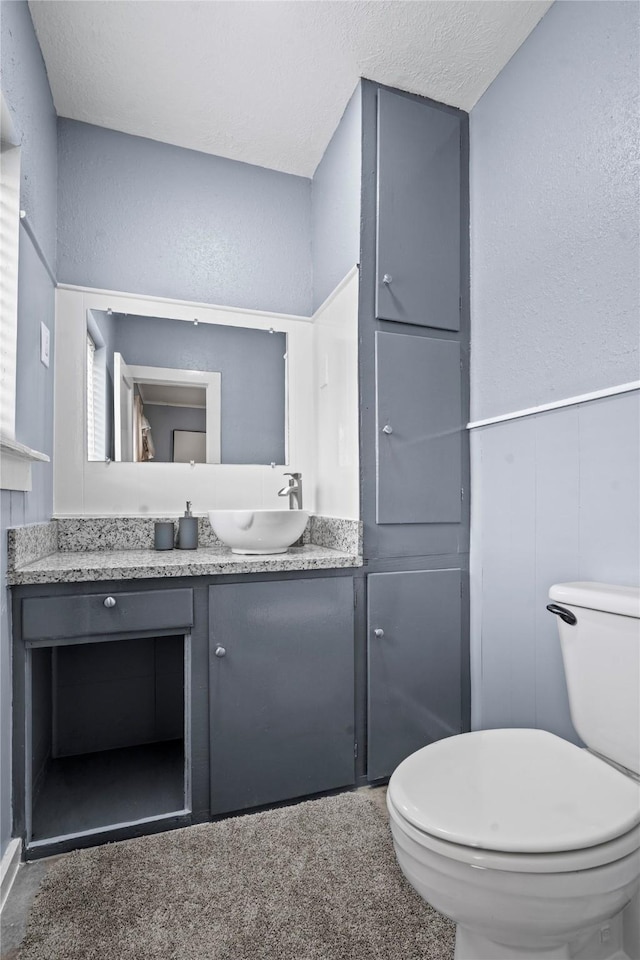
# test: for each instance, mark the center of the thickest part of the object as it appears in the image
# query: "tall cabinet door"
(414, 664)
(419, 429)
(418, 217)
(281, 690)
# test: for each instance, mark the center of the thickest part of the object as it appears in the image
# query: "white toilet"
(529, 843)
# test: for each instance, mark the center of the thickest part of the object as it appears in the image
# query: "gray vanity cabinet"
(418, 214)
(281, 690)
(419, 429)
(415, 664)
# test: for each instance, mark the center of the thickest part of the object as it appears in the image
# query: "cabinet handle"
(378, 633)
(387, 278)
(110, 602)
(387, 428)
(220, 651)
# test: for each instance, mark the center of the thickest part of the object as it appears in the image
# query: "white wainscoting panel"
(335, 327)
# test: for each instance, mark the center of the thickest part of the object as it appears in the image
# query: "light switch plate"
(45, 338)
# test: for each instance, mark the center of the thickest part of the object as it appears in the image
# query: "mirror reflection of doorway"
(152, 404)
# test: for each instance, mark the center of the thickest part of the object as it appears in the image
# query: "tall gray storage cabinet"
(414, 337)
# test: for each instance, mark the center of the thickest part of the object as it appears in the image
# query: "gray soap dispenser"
(188, 530)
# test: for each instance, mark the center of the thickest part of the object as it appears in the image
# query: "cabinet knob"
(387, 278)
(220, 651)
(378, 633)
(387, 428)
(110, 602)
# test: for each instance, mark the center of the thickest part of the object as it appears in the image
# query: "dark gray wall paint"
(42, 689)
(555, 213)
(335, 204)
(252, 366)
(145, 217)
(27, 94)
(554, 200)
(111, 695)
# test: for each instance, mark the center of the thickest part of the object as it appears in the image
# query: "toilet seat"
(570, 861)
(517, 794)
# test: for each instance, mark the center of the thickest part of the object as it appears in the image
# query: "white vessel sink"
(258, 531)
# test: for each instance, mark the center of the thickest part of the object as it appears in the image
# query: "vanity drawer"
(55, 618)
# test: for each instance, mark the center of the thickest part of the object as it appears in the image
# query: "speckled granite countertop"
(35, 554)
(147, 564)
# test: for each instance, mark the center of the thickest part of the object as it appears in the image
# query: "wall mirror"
(174, 391)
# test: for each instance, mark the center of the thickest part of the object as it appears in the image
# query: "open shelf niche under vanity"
(107, 718)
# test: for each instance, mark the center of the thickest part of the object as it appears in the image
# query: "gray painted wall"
(554, 225)
(252, 368)
(554, 234)
(26, 91)
(555, 499)
(140, 216)
(335, 204)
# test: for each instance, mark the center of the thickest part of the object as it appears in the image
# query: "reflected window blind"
(91, 389)
(9, 229)
(96, 387)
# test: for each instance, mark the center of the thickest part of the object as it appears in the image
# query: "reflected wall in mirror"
(151, 378)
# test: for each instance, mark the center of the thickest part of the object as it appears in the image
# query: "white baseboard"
(8, 869)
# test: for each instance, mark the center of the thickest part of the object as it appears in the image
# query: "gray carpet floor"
(314, 881)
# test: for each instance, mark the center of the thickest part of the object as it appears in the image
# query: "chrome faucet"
(293, 490)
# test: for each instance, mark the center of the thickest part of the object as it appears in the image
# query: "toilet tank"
(601, 655)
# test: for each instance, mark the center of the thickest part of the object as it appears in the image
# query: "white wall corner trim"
(336, 292)
(15, 464)
(558, 404)
(8, 869)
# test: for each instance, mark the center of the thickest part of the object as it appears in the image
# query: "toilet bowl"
(529, 844)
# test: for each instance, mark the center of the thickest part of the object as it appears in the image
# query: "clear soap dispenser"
(188, 530)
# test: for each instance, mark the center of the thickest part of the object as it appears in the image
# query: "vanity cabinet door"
(415, 664)
(281, 690)
(418, 215)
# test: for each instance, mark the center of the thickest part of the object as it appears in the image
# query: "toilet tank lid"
(607, 597)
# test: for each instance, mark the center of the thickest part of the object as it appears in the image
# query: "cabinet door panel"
(282, 699)
(418, 222)
(419, 429)
(415, 667)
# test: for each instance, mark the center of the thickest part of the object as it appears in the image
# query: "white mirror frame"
(94, 488)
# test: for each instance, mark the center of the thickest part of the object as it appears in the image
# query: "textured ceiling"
(265, 81)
